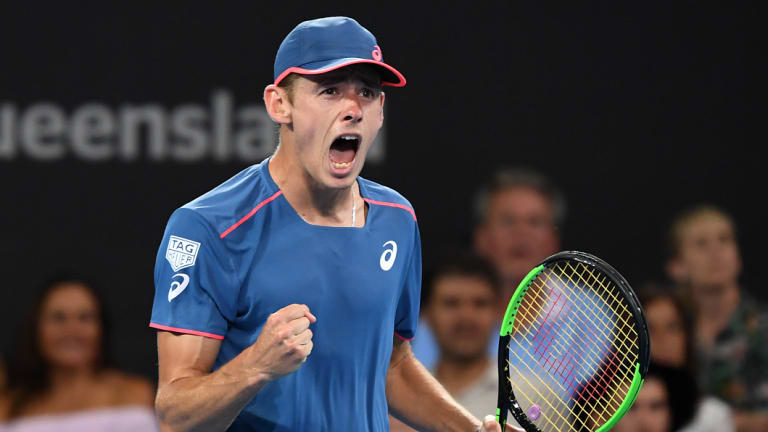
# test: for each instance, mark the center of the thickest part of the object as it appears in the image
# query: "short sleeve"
(195, 283)
(407, 314)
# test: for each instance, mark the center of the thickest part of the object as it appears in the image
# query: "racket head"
(573, 347)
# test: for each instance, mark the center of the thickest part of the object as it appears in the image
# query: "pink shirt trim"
(186, 331)
(250, 214)
(390, 204)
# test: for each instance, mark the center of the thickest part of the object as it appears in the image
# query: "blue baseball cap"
(325, 44)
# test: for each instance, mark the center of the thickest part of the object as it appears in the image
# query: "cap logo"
(376, 53)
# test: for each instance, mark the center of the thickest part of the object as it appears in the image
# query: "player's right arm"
(192, 398)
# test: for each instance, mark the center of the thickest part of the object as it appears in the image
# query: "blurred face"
(667, 333)
(708, 253)
(334, 119)
(650, 413)
(70, 329)
(518, 233)
(461, 313)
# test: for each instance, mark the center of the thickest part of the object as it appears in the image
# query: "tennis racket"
(573, 347)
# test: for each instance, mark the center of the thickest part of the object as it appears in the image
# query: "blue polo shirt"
(240, 252)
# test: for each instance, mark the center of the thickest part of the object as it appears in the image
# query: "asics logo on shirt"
(177, 287)
(387, 259)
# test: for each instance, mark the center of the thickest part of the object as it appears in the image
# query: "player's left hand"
(491, 425)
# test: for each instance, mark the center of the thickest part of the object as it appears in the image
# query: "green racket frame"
(507, 400)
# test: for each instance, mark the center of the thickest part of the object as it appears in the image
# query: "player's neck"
(315, 204)
(458, 374)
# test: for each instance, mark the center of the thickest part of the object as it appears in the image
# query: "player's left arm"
(418, 399)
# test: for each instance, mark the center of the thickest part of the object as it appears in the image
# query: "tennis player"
(286, 296)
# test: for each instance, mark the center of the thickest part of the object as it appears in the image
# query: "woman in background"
(671, 380)
(60, 378)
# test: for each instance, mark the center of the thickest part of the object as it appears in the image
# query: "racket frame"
(507, 400)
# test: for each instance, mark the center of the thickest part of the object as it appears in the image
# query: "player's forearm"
(207, 402)
(416, 397)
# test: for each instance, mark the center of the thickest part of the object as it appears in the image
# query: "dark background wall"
(636, 110)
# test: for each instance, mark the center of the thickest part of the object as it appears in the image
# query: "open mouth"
(343, 151)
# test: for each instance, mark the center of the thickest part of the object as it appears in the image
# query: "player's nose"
(353, 110)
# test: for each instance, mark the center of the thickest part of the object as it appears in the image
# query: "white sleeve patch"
(181, 252)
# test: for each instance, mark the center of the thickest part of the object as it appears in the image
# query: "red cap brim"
(392, 72)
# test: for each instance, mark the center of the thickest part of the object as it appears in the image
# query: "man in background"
(730, 328)
(518, 214)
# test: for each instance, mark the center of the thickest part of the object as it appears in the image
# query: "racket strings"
(563, 419)
(612, 292)
(606, 323)
(616, 375)
(586, 343)
(625, 334)
(562, 389)
(563, 348)
(598, 331)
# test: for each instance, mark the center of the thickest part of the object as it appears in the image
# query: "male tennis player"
(299, 255)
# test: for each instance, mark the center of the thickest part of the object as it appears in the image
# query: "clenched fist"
(284, 342)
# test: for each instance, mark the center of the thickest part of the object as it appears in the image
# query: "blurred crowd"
(709, 337)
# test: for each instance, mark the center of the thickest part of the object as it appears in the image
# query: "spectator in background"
(730, 328)
(518, 213)
(651, 411)
(460, 305)
(672, 352)
(665, 403)
(657, 402)
(60, 377)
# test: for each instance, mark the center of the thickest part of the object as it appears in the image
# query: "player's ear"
(277, 103)
(381, 101)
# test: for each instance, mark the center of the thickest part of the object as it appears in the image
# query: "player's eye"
(330, 91)
(367, 93)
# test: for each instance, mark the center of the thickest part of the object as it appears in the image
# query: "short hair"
(682, 219)
(508, 178)
(461, 263)
(288, 83)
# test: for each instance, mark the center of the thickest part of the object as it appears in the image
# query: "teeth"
(341, 164)
(348, 137)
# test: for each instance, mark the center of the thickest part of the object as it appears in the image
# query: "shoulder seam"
(250, 214)
(391, 204)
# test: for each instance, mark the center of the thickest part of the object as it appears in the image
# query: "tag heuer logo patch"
(181, 252)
